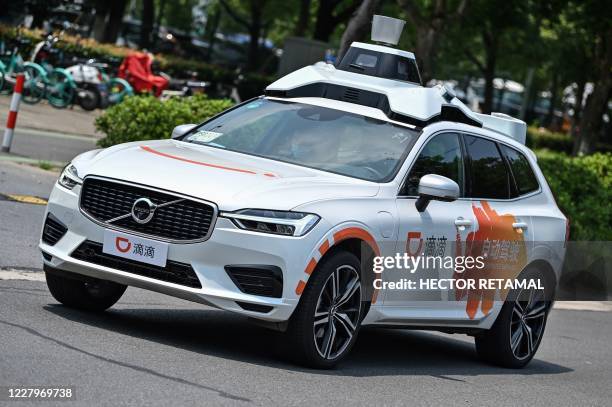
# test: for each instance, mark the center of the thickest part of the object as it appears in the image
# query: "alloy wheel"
(527, 322)
(337, 312)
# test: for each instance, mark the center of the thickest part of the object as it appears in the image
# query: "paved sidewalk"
(42, 116)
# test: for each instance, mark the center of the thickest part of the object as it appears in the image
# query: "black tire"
(88, 99)
(90, 295)
(309, 341)
(495, 346)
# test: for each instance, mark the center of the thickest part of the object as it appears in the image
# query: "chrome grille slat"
(183, 219)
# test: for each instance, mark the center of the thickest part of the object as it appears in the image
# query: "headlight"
(69, 177)
(277, 222)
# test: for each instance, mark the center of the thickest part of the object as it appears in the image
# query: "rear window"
(489, 177)
(526, 180)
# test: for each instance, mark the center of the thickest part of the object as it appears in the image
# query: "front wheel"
(326, 322)
(35, 85)
(517, 333)
(61, 90)
(89, 295)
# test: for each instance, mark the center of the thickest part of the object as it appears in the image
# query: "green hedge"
(148, 118)
(583, 190)
(541, 138)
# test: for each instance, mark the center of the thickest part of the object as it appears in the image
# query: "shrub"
(538, 138)
(148, 118)
(583, 190)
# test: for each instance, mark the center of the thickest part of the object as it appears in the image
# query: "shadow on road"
(378, 352)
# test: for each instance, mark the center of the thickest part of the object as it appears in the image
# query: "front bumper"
(227, 245)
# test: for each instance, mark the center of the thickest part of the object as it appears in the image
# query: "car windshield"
(312, 136)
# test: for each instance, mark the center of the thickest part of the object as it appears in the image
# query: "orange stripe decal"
(358, 233)
(300, 287)
(311, 266)
(221, 167)
(324, 247)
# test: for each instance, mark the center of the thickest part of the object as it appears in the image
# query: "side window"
(440, 156)
(489, 177)
(524, 177)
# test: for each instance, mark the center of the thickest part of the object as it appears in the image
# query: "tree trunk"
(115, 20)
(99, 26)
(146, 28)
(255, 29)
(303, 19)
(597, 104)
(577, 110)
(324, 27)
(550, 115)
(425, 51)
(490, 47)
(358, 26)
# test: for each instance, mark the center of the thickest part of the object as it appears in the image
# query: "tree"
(430, 20)
(330, 14)
(357, 27)
(254, 24)
(146, 27)
(303, 19)
(495, 22)
(591, 20)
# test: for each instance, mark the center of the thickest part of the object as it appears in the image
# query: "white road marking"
(604, 306)
(22, 275)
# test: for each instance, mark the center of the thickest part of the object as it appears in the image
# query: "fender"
(39, 69)
(128, 88)
(63, 72)
(337, 234)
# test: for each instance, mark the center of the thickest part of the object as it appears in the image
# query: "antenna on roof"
(387, 30)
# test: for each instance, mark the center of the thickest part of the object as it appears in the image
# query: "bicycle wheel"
(2, 80)
(35, 85)
(118, 89)
(61, 89)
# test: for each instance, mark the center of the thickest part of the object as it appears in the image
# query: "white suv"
(278, 208)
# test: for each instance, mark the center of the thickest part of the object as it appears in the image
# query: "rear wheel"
(90, 295)
(517, 333)
(35, 86)
(326, 322)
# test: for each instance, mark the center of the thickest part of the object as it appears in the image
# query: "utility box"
(300, 52)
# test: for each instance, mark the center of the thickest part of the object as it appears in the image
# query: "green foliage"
(148, 118)
(583, 190)
(539, 138)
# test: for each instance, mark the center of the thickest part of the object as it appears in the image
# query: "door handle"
(520, 225)
(463, 222)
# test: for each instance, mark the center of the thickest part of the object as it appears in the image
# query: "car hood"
(231, 180)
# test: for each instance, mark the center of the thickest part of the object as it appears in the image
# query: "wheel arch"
(547, 269)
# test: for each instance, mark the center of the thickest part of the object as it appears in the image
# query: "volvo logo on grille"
(143, 210)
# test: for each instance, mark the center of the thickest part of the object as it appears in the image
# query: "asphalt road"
(49, 146)
(158, 350)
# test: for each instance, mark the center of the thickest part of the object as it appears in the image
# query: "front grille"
(174, 272)
(176, 219)
(53, 230)
(263, 280)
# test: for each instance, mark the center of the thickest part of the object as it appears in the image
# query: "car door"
(502, 231)
(434, 232)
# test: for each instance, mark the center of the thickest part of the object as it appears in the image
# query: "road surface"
(156, 350)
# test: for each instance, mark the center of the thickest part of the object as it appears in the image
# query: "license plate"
(135, 248)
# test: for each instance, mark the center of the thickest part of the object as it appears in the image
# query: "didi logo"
(123, 244)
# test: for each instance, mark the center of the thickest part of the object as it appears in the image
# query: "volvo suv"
(285, 207)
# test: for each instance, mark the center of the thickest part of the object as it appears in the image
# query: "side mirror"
(181, 129)
(437, 188)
